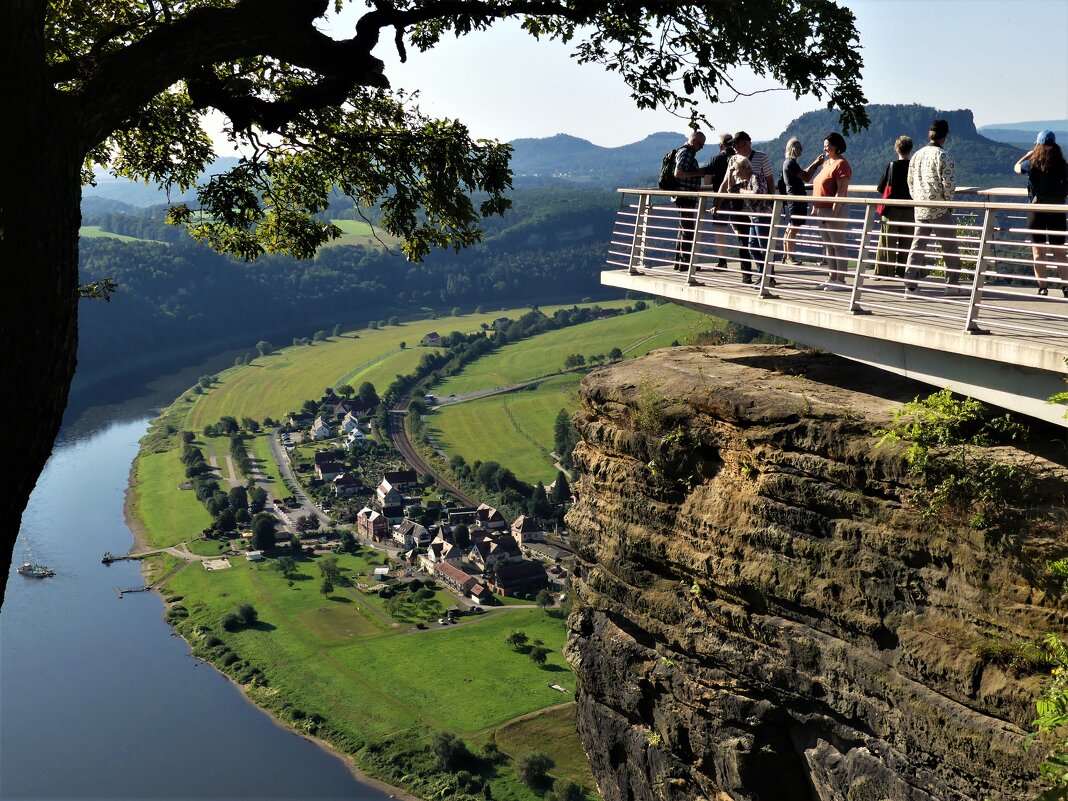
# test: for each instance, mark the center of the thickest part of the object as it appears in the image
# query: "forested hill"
(980, 161)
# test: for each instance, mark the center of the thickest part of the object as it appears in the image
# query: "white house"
(349, 422)
(320, 430)
(355, 439)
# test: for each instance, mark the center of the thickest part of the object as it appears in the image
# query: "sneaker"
(1064, 291)
(721, 265)
(747, 279)
(953, 289)
(836, 286)
(1043, 291)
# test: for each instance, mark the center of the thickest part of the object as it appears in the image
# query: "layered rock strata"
(763, 612)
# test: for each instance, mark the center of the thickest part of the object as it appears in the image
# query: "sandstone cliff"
(761, 613)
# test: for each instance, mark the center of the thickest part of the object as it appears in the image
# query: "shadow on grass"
(261, 625)
(339, 599)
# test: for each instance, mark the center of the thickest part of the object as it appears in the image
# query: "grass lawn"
(545, 354)
(333, 658)
(338, 620)
(553, 733)
(274, 385)
(516, 429)
(169, 515)
(208, 547)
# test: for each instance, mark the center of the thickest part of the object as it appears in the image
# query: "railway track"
(400, 441)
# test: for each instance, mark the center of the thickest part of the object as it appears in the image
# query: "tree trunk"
(39, 219)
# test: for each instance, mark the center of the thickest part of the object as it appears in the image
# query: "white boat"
(33, 569)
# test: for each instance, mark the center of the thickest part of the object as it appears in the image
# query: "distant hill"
(980, 161)
(572, 159)
(1023, 133)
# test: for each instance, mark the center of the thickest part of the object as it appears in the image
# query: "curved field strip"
(279, 383)
(515, 430)
(545, 354)
(381, 372)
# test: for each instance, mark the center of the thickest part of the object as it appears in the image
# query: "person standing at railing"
(689, 175)
(793, 183)
(933, 176)
(833, 181)
(743, 146)
(1047, 182)
(715, 172)
(748, 218)
(895, 240)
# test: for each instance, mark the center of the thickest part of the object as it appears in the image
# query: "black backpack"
(667, 171)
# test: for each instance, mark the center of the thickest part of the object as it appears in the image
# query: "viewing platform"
(991, 336)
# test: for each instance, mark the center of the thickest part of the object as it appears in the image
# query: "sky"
(1007, 60)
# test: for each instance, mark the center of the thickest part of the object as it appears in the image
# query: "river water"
(97, 699)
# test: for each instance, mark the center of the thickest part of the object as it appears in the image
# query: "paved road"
(306, 507)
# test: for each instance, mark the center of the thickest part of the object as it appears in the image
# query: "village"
(328, 462)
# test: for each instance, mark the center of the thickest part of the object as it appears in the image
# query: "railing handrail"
(976, 205)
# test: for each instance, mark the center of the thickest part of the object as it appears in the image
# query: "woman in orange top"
(833, 181)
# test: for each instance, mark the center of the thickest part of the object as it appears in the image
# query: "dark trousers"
(687, 226)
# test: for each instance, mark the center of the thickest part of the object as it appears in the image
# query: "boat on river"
(34, 570)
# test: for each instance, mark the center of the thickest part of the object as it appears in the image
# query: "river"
(97, 699)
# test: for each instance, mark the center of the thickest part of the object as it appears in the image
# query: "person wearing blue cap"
(1047, 182)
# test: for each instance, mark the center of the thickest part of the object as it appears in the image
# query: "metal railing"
(857, 258)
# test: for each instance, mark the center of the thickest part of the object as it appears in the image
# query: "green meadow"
(635, 334)
(357, 232)
(168, 515)
(516, 429)
(345, 660)
(274, 385)
(96, 232)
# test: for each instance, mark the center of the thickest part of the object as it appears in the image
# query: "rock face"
(761, 613)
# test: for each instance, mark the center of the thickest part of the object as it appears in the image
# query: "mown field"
(517, 429)
(96, 232)
(357, 232)
(279, 383)
(635, 334)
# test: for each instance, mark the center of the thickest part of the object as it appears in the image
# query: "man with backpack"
(715, 172)
(688, 176)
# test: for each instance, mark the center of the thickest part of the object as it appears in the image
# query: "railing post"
(989, 219)
(690, 280)
(858, 274)
(641, 224)
(766, 272)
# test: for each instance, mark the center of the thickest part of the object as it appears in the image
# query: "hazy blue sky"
(1007, 60)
